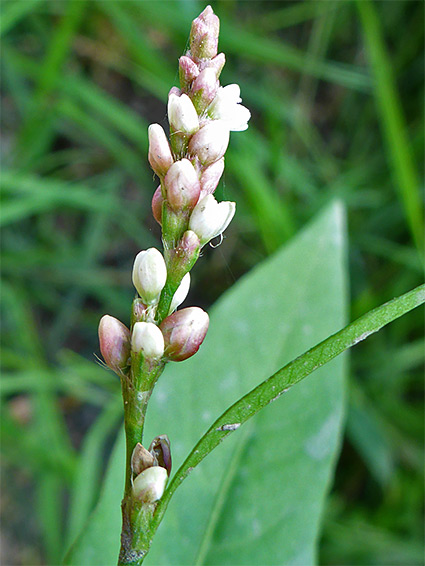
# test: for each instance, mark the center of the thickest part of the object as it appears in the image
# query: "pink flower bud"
(184, 331)
(160, 156)
(182, 186)
(204, 35)
(209, 143)
(204, 89)
(139, 311)
(157, 201)
(188, 71)
(188, 245)
(149, 486)
(210, 218)
(211, 177)
(217, 64)
(182, 114)
(149, 275)
(174, 90)
(147, 339)
(114, 340)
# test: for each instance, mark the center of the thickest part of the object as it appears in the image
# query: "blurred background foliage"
(336, 90)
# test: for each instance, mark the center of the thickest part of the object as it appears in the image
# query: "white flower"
(180, 294)
(149, 275)
(147, 338)
(182, 114)
(210, 218)
(226, 106)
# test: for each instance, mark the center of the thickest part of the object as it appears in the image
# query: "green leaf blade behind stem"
(286, 305)
(259, 499)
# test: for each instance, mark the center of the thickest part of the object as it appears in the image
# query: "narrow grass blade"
(39, 123)
(392, 120)
(32, 195)
(285, 378)
(12, 12)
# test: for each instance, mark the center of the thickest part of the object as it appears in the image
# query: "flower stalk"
(189, 166)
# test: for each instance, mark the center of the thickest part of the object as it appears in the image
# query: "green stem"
(179, 262)
(137, 389)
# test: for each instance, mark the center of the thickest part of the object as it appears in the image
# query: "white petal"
(231, 93)
(210, 218)
(181, 293)
(239, 121)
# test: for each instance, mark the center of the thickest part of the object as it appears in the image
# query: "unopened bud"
(147, 338)
(209, 143)
(161, 451)
(149, 275)
(204, 89)
(204, 35)
(139, 311)
(114, 340)
(181, 293)
(182, 186)
(182, 115)
(160, 156)
(149, 485)
(187, 249)
(210, 218)
(184, 331)
(211, 177)
(157, 201)
(141, 459)
(174, 90)
(188, 71)
(217, 64)
(182, 259)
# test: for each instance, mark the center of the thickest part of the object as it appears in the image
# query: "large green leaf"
(259, 498)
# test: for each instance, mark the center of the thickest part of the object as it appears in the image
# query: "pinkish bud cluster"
(149, 343)
(201, 115)
(189, 165)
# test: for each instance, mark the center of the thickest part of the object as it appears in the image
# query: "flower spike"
(189, 163)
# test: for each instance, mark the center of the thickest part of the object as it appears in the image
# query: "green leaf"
(259, 499)
(270, 479)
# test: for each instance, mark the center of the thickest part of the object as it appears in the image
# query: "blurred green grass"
(336, 91)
